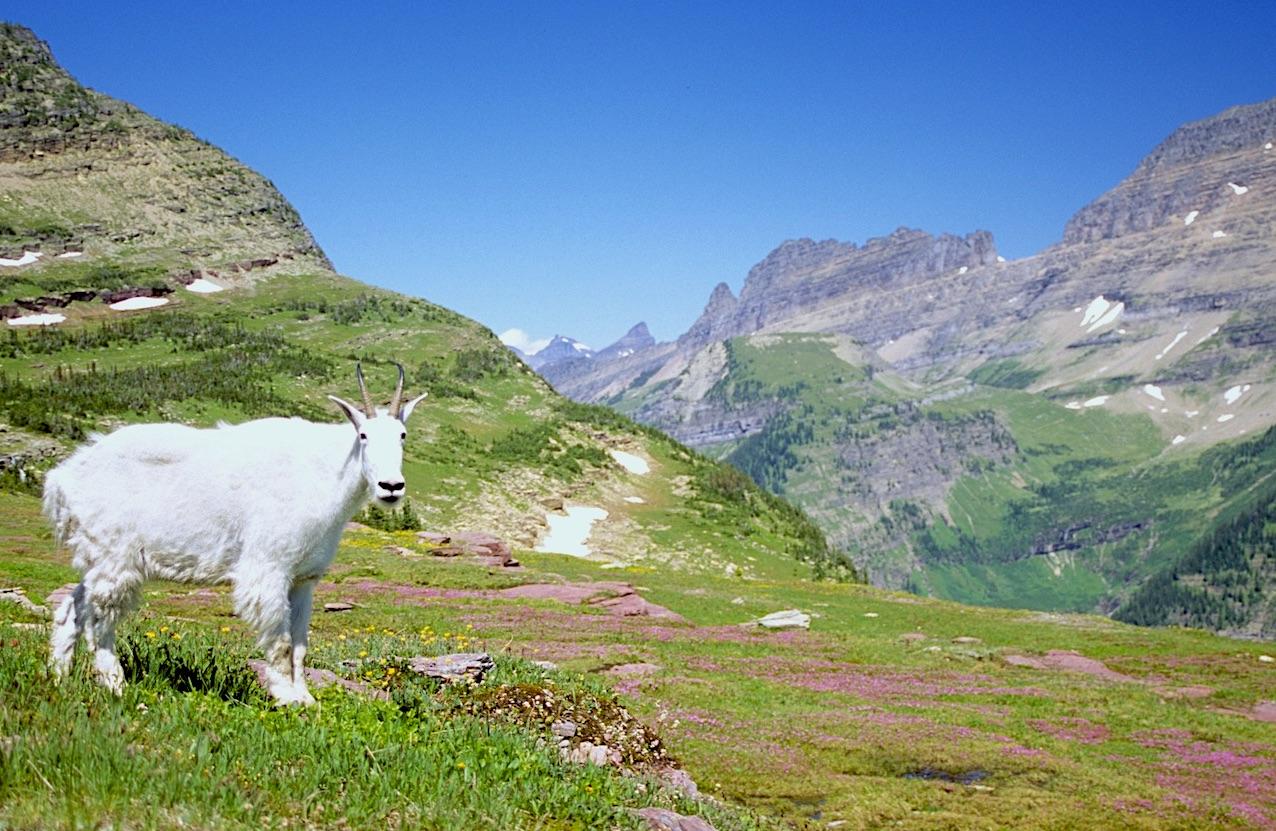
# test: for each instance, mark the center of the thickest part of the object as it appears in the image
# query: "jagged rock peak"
(18, 44)
(1236, 128)
(1187, 172)
(639, 331)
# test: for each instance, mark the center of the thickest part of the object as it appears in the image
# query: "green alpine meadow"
(855, 584)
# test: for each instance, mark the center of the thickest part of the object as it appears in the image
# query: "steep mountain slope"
(145, 274)
(970, 426)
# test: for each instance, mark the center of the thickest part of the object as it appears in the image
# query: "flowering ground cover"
(891, 711)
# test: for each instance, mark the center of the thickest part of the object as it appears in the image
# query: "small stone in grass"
(455, 667)
(966, 639)
(338, 607)
(912, 637)
(563, 729)
(1267, 659)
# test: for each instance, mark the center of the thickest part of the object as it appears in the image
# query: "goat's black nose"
(390, 486)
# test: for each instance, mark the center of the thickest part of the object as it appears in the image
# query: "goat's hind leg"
(108, 598)
(68, 626)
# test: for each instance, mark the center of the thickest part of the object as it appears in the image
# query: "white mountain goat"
(260, 505)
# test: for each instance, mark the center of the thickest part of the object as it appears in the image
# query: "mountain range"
(1016, 432)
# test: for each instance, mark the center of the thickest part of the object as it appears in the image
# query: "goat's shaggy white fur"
(260, 505)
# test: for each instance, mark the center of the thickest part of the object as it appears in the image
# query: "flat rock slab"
(619, 599)
(19, 596)
(662, 819)
(458, 666)
(338, 607)
(787, 619)
(1068, 661)
(320, 678)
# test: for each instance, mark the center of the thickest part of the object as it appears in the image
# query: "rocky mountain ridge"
(1158, 307)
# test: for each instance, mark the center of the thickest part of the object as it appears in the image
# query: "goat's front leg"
(300, 603)
(263, 601)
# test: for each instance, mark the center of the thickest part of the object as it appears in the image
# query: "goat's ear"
(352, 412)
(410, 406)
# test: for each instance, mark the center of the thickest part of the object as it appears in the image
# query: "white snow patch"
(134, 303)
(1192, 413)
(36, 320)
(1245, 388)
(1267, 146)
(1239, 190)
(1100, 313)
(523, 342)
(1165, 409)
(1000, 259)
(568, 534)
(1120, 331)
(635, 500)
(1232, 394)
(202, 286)
(1218, 234)
(1073, 405)
(1179, 440)
(1097, 401)
(580, 347)
(1171, 344)
(1211, 333)
(27, 258)
(625, 353)
(68, 255)
(1225, 417)
(963, 269)
(1190, 218)
(1076, 309)
(631, 462)
(1154, 391)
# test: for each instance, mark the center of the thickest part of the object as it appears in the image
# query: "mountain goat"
(260, 505)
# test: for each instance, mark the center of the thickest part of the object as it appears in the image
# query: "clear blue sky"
(575, 168)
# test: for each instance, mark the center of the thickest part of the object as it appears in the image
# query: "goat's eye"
(402, 436)
(363, 436)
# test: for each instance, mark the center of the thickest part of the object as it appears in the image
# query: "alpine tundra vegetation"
(466, 679)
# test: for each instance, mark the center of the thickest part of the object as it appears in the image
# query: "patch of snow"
(630, 462)
(625, 353)
(1073, 405)
(1100, 313)
(1211, 333)
(1171, 344)
(1165, 409)
(580, 347)
(67, 255)
(1179, 440)
(1076, 309)
(1232, 394)
(1154, 391)
(1218, 234)
(568, 534)
(1267, 146)
(635, 500)
(1120, 331)
(202, 286)
(1239, 190)
(1000, 259)
(1245, 388)
(36, 320)
(1097, 401)
(1192, 413)
(1225, 417)
(963, 269)
(1190, 218)
(27, 258)
(134, 303)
